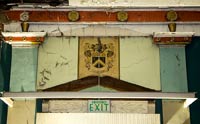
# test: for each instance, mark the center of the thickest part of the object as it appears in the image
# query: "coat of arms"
(99, 56)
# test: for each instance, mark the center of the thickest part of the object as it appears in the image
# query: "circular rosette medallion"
(122, 16)
(73, 16)
(171, 16)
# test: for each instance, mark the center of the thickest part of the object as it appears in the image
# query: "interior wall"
(139, 62)
(174, 79)
(97, 118)
(173, 69)
(24, 69)
(81, 106)
(175, 113)
(22, 112)
(23, 79)
(58, 56)
(57, 61)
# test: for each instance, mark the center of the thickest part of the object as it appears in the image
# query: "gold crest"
(98, 56)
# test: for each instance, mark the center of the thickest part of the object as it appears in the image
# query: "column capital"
(23, 39)
(172, 38)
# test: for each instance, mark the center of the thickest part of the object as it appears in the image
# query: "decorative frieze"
(24, 38)
(101, 15)
(172, 38)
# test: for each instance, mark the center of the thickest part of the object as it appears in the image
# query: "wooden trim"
(103, 16)
(25, 39)
(172, 40)
(106, 81)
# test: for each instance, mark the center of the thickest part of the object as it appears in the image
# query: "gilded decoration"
(172, 16)
(122, 16)
(98, 56)
(73, 16)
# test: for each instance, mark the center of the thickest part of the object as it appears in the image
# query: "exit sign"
(99, 106)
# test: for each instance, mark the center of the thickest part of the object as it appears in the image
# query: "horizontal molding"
(103, 16)
(102, 29)
(93, 95)
(172, 38)
(24, 39)
(189, 97)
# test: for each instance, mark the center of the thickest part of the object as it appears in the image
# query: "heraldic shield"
(98, 56)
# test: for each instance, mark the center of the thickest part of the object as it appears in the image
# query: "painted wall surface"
(57, 62)
(175, 113)
(23, 112)
(139, 62)
(193, 73)
(23, 69)
(97, 118)
(102, 29)
(59, 57)
(173, 69)
(81, 106)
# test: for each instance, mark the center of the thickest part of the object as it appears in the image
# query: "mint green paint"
(23, 69)
(173, 69)
(98, 89)
(58, 61)
(139, 62)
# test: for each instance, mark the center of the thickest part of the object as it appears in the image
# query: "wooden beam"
(6, 96)
(172, 38)
(103, 16)
(24, 38)
(102, 95)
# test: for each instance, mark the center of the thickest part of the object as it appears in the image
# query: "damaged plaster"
(57, 61)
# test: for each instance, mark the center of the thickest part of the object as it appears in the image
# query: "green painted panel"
(57, 61)
(173, 69)
(23, 71)
(139, 62)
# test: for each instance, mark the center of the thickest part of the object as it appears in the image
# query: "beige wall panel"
(139, 107)
(175, 113)
(97, 118)
(57, 62)
(80, 106)
(139, 62)
(151, 108)
(23, 112)
(68, 106)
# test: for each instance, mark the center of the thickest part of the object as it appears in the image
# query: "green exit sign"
(101, 106)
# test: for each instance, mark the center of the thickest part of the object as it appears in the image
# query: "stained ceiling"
(7, 4)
